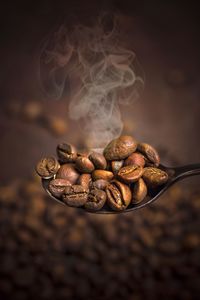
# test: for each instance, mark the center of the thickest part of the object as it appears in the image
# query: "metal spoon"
(175, 174)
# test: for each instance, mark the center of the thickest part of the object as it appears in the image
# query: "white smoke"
(104, 72)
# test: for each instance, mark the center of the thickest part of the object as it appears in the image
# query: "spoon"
(175, 174)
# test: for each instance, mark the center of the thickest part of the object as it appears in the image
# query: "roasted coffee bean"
(98, 160)
(68, 171)
(130, 174)
(84, 165)
(154, 177)
(102, 174)
(150, 153)
(57, 186)
(47, 167)
(139, 191)
(75, 195)
(85, 180)
(120, 148)
(135, 159)
(100, 184)
(116, 165)
(96, 200)
(66, 153)
(118, 195)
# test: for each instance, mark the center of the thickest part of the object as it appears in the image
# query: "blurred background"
(53, 252)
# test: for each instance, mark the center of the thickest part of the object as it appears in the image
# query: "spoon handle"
(186, 171)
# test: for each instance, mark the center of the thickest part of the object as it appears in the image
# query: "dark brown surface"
(53, 252)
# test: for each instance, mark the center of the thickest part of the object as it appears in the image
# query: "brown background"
(165, 37)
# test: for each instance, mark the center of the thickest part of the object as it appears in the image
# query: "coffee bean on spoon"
(154, 177)
(135, 159)
(84, 165)
(68, 171)
(116, 165)
(96, 200)
(120, 148)
(57, 186)
(139, 191)
(85, 180)
(75, 195)
(47, 167)
(100, 184)
(66, 153)
(102, 174)
(98, 160)
(118, 195)
(150, 153)
(130, 174)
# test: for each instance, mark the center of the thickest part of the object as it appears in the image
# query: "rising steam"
(102, 74)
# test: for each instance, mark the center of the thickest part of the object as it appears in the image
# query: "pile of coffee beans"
(55, 253)
(122, 175)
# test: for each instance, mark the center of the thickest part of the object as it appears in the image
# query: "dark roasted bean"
(75, 195)
(85, 180)
(120, 148)
(154, 177)
(68, 171)
(47, 167)
(57, 186)
(130, 173)
(100, 184)
(96, 200)
(139, 191)
(118, 195)
(135, 159)
(84, 164)
(66, 153)
(98, 160)
(151, 153)
(102, 174)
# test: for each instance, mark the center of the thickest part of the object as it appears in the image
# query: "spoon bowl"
(175, 174)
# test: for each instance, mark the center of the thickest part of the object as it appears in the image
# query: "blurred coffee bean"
(85, 180)
(8, 193)
(135, 159)
(75, 195)
(32, 188)
(47, 167)
(23, 277)
(102, 174)
(68, 172)
(139, 191)
(66, 153)
(150, 152)
(37, 205)
(98, 160)
(55, 125)
(96, 200)
(154, 177)
(31, 111)
(130, 173)
(118, 195)
(57, 186)
(120, 148)
(83, 164)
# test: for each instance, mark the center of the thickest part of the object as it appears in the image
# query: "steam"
(102, 74)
